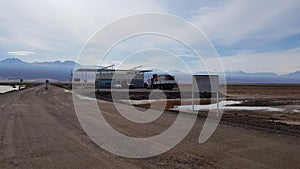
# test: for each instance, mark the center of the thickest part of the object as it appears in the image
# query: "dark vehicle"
(131, 86)
(164, 82)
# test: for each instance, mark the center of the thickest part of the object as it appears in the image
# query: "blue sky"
(249, 35)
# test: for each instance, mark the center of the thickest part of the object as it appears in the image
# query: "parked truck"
(164, 82)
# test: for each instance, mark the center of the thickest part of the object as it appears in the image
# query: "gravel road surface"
(39, 129)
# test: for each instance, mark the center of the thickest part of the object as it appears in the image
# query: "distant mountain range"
(262, 77)
(240, 77)
(14, 68)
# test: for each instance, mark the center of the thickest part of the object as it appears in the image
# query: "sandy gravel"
(39, 129)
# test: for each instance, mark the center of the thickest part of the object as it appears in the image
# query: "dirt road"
(39, 129)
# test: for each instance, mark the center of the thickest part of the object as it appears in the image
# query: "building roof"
(110, 70)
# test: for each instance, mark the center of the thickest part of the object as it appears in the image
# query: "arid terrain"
(39, 129)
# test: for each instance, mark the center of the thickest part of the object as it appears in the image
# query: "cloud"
(249, 21)
(277, 62)
(246, 32)
(56, 31)
(21, 53)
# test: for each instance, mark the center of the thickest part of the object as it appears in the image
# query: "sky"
(248, 35)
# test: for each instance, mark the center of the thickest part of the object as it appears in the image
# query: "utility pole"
(71, 78)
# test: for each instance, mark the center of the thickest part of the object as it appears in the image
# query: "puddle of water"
(296, 111)
(85, 98)
(7, 88)
(67, 91)
(254, 108)
(138, 102)
(80, 96)
(209, 106)
(224, 105)
(287, 122)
